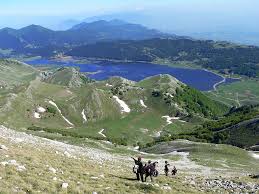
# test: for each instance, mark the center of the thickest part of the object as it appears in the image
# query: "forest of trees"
(225, 57)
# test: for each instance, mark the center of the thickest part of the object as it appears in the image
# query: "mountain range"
(148, 111)
(119, 40)
(63, 132)
(35, 36)
(190, 24)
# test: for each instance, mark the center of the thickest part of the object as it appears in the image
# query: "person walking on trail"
(174, 171)
(148, 171)
(140, 169)
(166, 168)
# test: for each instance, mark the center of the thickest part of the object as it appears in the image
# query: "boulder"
(64, 185)
(12, 162)
(21, 168)
(192, 183)
(166, 187)
(41, 110)
(53, 170)
(3, 147)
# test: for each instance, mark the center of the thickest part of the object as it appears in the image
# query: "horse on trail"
(150, 170)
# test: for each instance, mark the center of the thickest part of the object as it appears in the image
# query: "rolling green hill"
(243, 92)
(128, 112)
(159, 108)
(15, 73)
(65, 76)
(61, 116)
(239, 128)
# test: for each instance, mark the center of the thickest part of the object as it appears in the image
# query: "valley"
(71, 120)
(83, 101)
(198, 78)
(239, 93)
(158, 108)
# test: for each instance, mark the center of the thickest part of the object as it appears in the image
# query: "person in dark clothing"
(150, 170)
(140, 169)
(166, 168)
(155, 172)
(174, 171)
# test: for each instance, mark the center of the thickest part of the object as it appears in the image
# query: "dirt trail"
(55, 105)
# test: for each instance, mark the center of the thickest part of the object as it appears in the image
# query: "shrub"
(51, 110)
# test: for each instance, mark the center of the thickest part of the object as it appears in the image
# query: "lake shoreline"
(223, 81)
(201, 79)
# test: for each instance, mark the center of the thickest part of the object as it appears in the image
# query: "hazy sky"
(73, 7)
(164, 14)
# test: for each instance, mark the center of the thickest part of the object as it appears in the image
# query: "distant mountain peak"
(118, 22)
(7, 29)
(35, 27)
(36, 36)
(101, 23)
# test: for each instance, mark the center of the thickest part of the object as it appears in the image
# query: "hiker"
(166, 168)
(150, 170)
(174, 171)
(155, 172)
(138, 169)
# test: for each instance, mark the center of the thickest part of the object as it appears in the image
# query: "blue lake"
(197, 78)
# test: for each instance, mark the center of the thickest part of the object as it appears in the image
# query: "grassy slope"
(243, 134)
(116, 175)
(211, 155)
(97, 102)
(18, 114)
(103, 112)
(238, 93)
(76, 172)
(67, 77)
(15, 73)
